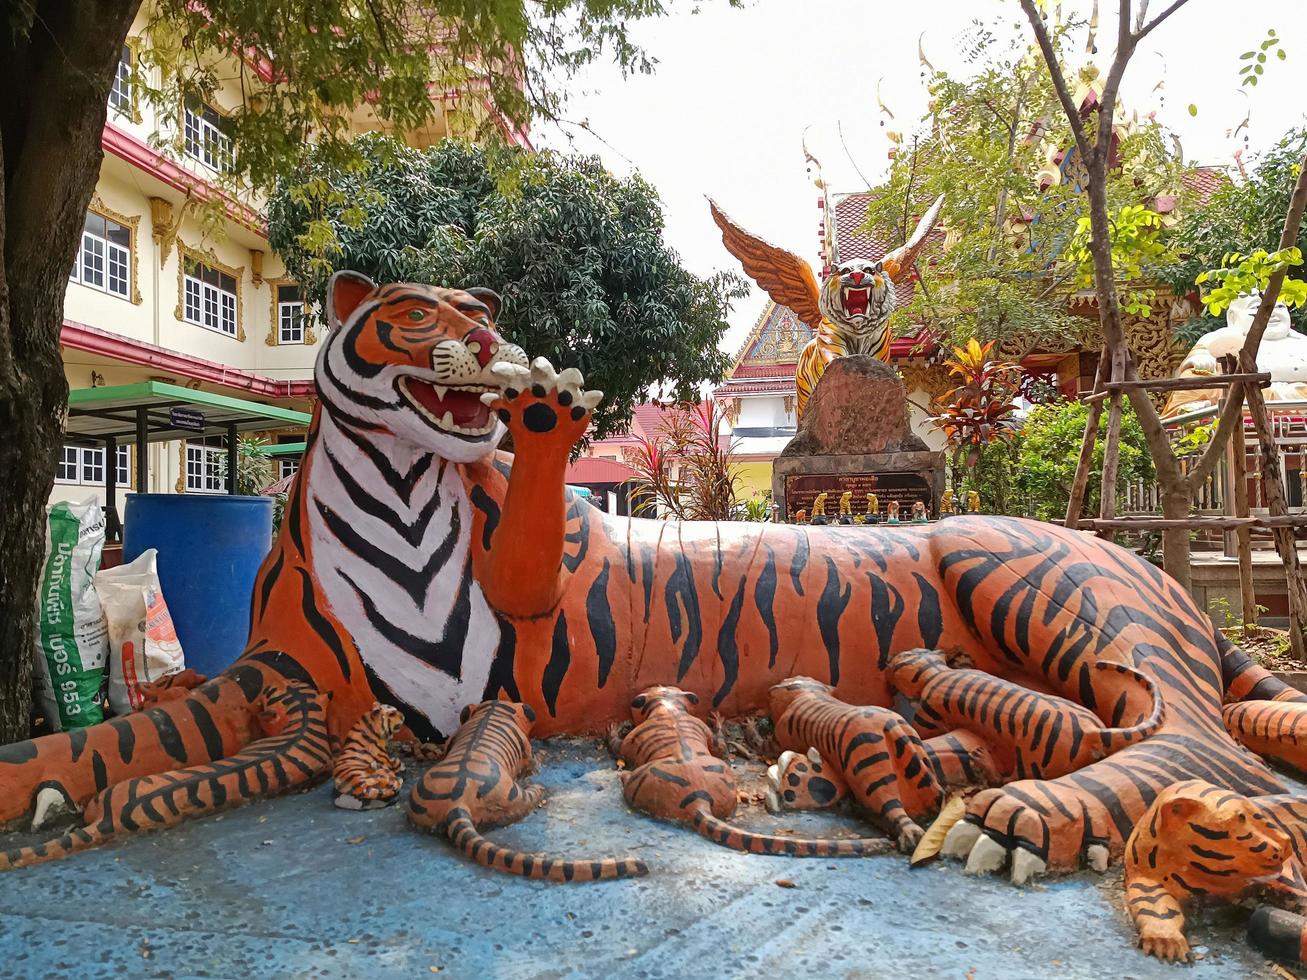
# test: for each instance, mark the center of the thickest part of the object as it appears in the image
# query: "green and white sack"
(72, 643)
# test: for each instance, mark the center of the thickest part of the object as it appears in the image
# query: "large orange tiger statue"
(848, 314)
(417, 567)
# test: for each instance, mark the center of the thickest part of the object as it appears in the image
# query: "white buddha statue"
(1283, 353)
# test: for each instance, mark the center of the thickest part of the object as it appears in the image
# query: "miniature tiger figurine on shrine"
(419, 567)
(475, 786)
(673, 773)
(1198, 840)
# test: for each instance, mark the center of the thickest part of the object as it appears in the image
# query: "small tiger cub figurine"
(832, 748)
(1197, 840)
(674, 774)
(1031, 735)
(365, 774)
(474, 785)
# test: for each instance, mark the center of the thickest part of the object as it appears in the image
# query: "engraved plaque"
(801, 490)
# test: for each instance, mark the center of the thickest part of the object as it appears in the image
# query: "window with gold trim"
(106, 258)
(209, 293)
(124, 95)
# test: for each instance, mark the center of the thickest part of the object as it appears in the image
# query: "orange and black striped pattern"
(673, 774)
(1199, 840)
(1030, 735)
(475, 785)
(875, 753)
(292, 752)
(365, 774)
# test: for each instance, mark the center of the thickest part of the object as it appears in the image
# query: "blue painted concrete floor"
(295, 888)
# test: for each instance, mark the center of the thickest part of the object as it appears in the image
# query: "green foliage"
(1137, 249)
(253, 468)
(1241, 274)
(577, 253)
(1240, 218)
(1254, 66)
(1002, 272)
(1049, 447)
(330, 57)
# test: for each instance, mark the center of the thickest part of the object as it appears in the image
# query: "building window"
(203, 139)
(121, 96)
(205, 463)
(81, 465)
(290, 314)
(287, 467)
(209, 297)
(104, 261)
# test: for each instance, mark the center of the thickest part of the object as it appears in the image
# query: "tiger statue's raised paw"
(804, 782)
(540, 406)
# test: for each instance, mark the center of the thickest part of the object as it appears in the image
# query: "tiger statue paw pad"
(803, 782)
(539, 404)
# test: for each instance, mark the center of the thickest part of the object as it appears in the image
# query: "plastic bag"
(71, 644)
(142, 640)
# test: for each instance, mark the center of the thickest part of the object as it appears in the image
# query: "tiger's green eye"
(416, 315)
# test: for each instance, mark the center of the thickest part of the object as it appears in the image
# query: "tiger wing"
(784, 276)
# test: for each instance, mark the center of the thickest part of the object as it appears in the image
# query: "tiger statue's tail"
(81, 839)
(1242, 679)
(1278, 933)
(1117, 738)
(464, 835)
(720, 832)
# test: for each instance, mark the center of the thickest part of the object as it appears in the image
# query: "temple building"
(162, 301)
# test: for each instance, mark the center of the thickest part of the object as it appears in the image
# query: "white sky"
(734, 90)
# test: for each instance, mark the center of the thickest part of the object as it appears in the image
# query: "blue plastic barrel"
(210, 548)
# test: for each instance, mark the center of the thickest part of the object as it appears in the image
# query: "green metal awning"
(284, 449)
(96, 415)
(155, 411)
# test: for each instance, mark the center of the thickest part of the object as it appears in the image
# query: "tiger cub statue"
(365, 775)
(832, 749)
(1030, 735)
(673, 773)
(474, 785)
(1199, 840)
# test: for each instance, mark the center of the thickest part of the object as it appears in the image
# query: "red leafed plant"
(982, 408)
(687, 469)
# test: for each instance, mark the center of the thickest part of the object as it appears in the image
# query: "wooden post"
(1243, 534)
(1112, 445)
(1076, 505)
(1277, 502)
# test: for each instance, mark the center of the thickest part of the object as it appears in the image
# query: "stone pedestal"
(854, 436)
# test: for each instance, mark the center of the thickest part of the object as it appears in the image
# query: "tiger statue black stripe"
(672, 773)
(292, 752)
(1029, 735)
(1198, 840)
(474, 786)
(365, 775)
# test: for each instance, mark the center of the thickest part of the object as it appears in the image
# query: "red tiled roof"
(1205, 180)
(593, 469)
(747, 370)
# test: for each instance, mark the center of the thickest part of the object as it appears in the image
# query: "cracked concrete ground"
(295, 888)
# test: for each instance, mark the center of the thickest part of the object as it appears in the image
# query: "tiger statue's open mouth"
(456, 410)
(854, 300)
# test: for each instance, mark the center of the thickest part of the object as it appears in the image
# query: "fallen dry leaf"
(355, 840)
(786, 883)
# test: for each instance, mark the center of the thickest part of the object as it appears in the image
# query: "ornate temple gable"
(772, 348)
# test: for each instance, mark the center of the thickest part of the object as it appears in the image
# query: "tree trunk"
(1175, 541)
(1080, 485)
(57, 72)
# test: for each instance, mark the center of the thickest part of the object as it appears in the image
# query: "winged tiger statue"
(848, 314)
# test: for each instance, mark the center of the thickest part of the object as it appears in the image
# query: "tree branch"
(1144, 31)
(1059, 81)
(1288, 237)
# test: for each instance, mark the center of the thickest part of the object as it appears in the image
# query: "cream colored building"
(158, 294)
